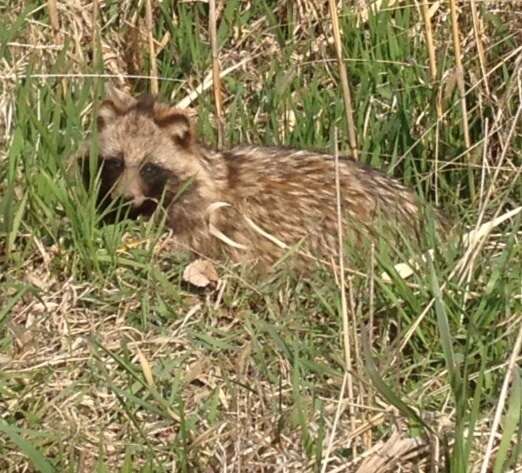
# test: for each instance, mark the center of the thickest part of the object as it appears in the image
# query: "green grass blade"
(384, 390)
(37, 459)
(512, 422)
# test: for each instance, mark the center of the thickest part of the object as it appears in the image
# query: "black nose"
(146, 209)
(116, 210)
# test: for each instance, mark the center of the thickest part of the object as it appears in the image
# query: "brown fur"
(247, 202)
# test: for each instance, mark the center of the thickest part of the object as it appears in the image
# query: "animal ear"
(176, 122)
(116, 103)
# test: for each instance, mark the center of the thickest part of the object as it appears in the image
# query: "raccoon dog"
(248, 204)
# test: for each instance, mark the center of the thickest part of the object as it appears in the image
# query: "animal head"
(147, 149)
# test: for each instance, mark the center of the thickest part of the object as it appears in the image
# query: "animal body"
(249, 204)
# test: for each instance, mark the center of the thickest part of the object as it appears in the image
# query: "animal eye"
(113, 164)
(151, 170)
(155, 176)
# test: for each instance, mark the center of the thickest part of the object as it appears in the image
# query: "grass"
(109, 363)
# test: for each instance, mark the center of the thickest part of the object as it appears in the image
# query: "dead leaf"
(146, 368)
(385, 456)
(201, 273)
(197, 371)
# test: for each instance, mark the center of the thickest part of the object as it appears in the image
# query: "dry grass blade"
(502, 400)
(480, 48)
(428, 33)
(347, 379)
(459, 70)
(348, 108)
(95, 30)
(512, 55)
(53, 16)
(338, 412)
(470, 240)
(430, 46)
(216, 79)
(344, 305)
(208, 81)
(154, 84)
(492, 185)
(475, 237)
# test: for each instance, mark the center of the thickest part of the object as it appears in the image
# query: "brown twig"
(216, 78)
(343, 73)
(154, 84)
